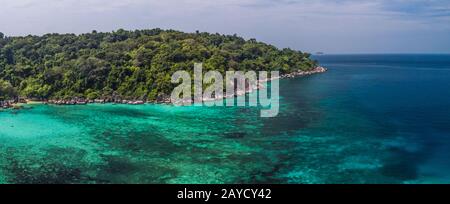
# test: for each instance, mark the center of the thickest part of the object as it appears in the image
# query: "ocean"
(369, 119)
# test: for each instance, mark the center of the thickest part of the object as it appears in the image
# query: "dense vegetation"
(129, 64)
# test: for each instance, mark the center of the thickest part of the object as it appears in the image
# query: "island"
(132, 67)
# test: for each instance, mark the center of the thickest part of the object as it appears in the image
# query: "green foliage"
(7, 91)
(128, 64)
(34, 88)
(92, 94)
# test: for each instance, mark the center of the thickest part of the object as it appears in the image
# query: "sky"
(330, 26)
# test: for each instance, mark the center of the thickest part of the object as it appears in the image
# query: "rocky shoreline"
(84, 102)
(162, 99)
(260, 83)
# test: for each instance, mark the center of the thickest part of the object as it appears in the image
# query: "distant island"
(127, 65)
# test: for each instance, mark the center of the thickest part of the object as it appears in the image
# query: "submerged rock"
(17, 107)
(235, 135)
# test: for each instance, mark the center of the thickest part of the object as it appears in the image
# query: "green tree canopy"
(7, 91)
(129, 64)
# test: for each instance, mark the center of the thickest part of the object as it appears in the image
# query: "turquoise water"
(369, 119)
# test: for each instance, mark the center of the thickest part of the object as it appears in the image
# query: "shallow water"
(369, 119)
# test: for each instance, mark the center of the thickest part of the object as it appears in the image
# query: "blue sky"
(331, 26)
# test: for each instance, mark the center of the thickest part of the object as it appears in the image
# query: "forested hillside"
(130, 64)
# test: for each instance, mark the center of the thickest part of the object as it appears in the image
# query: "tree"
(35, 89)
(7, 91)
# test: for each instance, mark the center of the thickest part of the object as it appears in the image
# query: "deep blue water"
(396, 107)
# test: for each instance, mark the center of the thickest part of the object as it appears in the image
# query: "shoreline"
(77, 101)
(260, 83)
